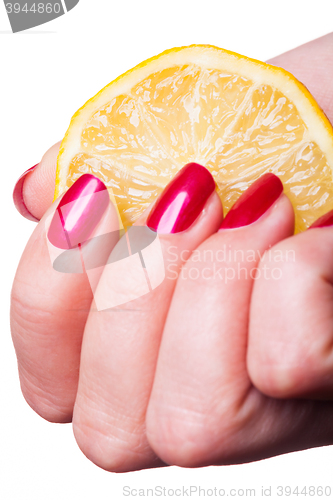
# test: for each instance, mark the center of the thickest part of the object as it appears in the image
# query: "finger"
(34, 191)
(50, 308)
(291, 330)
(200, 399)
(312, 64)
(121, 343)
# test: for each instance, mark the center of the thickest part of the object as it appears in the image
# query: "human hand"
(241, 365)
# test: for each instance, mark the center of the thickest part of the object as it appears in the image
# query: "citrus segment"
(238, 117)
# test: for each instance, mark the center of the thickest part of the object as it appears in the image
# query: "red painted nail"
(254, 202)
(323, 221)
(18, 196)
(182, 200)
(78, 212)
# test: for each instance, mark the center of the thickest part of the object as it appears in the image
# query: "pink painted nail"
(254, 202)
(182, 200)
(78, 212)
(18, 196)
(323, 221)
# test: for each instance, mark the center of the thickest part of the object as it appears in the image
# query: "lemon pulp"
(236, 125)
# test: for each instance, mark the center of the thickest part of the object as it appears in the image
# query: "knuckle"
(45, 402)
(201, 434)
(276, 382)
(108, 442)
(47, 386)
(285, 371)
(179, 437)
(289, 348)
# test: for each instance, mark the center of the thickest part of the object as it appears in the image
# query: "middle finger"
(121, 343)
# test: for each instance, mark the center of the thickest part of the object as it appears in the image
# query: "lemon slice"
(237, 116)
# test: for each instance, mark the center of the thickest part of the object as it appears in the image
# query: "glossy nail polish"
(78, 212)
(254, 202)
(323, 221)
(182, 200)
(18, 196)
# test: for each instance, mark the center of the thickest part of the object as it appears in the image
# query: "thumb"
(34, 190)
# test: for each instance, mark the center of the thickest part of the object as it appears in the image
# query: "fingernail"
(78, 212)
(254, 202)
(324, 221)
(182, 200)
(18, 196)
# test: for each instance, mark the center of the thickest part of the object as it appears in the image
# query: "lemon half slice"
(236, 116)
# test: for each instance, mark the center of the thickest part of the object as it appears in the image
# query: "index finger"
(34, 190)
(50, 308)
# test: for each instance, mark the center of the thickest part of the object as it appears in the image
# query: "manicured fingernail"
(18, 196)
(78, 212)
(254, 202)
(324, 221)
(182, 200)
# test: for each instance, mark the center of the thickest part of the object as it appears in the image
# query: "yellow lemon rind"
(208, 57)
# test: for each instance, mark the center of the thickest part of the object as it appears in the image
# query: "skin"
(199, 371)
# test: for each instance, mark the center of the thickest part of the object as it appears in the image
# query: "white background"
(46, 74)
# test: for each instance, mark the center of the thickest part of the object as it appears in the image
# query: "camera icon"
(25, 14)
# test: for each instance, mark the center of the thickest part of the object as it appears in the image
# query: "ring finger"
(201, 407)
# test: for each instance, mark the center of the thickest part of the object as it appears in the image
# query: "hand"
(244, 368)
